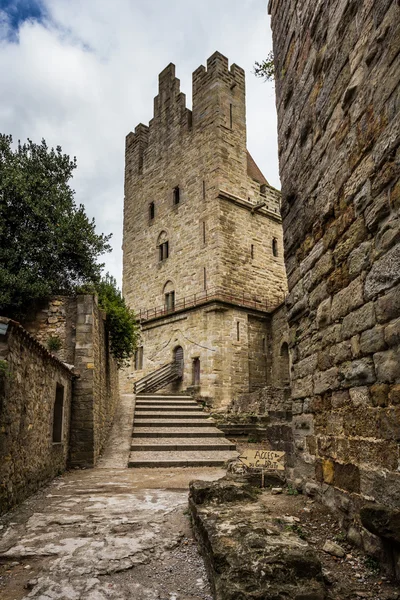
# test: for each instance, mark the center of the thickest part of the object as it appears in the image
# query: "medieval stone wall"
(338, 94)
(79, 325)
(29, 378)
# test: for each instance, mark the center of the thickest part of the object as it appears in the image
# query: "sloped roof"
(253, 171)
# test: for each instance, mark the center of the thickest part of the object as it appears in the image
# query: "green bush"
(121, 321)
(53, 343)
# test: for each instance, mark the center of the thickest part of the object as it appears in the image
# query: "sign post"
(266, 460)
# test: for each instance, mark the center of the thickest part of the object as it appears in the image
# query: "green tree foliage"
(265, 69)
(124, 331)
(47, 243)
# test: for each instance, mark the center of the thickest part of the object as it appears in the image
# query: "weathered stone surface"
(384, 274)
(357, 373)
(372, 340)
(359, 320)
(249, 555)
(340, 163)
(333, 549)
(347, 300)
(392, 334)
(381, 520)
(387, 365)
(28, 388)
(220, 492)
(359, 259)
(326, 380)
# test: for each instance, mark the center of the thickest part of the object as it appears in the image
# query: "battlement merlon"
(135, 146)
(218, 99)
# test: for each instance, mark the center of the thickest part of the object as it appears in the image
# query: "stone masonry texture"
(337, 93)
(221, 235)
(80, 326)
(29, 376)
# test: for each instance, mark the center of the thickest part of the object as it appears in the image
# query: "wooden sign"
(268, 460)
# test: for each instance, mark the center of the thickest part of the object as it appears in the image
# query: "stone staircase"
(174, 431)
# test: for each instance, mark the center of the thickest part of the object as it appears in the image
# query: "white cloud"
(87, 76)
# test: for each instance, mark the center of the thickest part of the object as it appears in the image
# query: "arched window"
(275, 247)
(169, 295)
(163, 246)
(178, 359)
(284, 365)
(151, 211)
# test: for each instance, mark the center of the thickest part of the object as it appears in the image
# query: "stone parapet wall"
(56, 318)
(337, 95)
(29, 376)
(96, 391)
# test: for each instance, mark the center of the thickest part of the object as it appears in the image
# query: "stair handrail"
(160, 377)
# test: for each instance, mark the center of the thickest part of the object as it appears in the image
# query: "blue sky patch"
(16, 12)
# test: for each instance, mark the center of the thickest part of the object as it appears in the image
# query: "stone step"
(163, 397)
(176, 414)
(178, 432)
(151, 422)
(181, 444)
(195, 458)
(172, 408)
(167, 403)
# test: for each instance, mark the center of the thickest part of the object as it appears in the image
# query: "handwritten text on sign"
(264, 459)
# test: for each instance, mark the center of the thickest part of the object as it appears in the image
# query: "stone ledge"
(248, 553)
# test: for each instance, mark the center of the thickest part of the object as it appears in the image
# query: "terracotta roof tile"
(253, 171)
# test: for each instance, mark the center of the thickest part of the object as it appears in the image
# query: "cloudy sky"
(83, 73)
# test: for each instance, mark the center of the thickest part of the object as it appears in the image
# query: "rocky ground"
(106, 533)
(118, 533)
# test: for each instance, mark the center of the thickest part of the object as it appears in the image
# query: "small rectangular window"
(170, 301)
(204, 190)
(252, 251)
(204, 232)
(204, 278)
(163, 251)
(151, 211)
(275, 247)
(139, 359)
(230, 116)
(238, 331)
(177, 195)
(58, 414)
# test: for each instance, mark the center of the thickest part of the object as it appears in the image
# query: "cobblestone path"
(106, 533)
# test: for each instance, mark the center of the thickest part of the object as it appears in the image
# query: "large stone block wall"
(96, 392)
(29, 375)
(337, 95)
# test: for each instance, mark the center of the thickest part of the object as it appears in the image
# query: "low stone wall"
(30, 380)
(80, 327)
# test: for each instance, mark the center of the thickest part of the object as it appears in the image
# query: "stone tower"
(203, 263)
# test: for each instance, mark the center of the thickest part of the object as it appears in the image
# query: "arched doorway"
(178, 358)
(284, 365)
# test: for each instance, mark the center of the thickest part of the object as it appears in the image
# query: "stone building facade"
(203, 264)
(35, 414)
(337, 92)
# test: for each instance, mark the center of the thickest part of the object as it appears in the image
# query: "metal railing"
(209, 295)
(158, 379)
